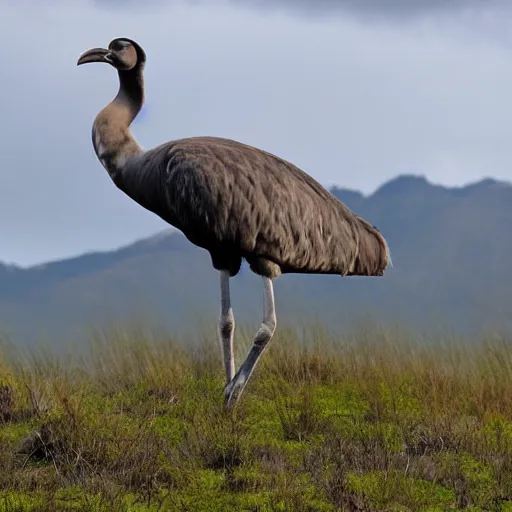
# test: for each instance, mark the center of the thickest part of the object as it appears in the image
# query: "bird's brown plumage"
(238, 202)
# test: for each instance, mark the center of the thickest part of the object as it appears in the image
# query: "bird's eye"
(119, 45)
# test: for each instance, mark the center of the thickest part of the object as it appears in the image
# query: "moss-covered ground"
(372, 423)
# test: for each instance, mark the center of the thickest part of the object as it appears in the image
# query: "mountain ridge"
(449, 247)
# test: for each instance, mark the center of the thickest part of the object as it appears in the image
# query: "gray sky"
(354, 92)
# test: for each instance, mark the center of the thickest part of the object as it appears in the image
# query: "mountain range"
(451, 250)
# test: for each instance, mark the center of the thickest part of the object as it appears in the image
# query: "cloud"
(382, 9)
(387, 9)
(351, 103)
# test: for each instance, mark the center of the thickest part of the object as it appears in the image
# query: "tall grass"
(376, 421)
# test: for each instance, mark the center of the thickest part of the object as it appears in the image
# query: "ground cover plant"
(378, 421)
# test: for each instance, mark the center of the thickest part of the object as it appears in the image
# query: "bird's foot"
(234, 390)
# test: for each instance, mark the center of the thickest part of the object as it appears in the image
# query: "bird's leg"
(226, 326)
(235, 388)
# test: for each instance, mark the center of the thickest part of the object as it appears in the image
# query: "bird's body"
(238, 202)
(234, 200)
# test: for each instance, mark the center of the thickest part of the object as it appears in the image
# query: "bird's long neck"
(112, 139)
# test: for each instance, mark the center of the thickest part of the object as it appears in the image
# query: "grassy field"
(378, 422)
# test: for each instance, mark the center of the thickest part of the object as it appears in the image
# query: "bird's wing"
(224, 192)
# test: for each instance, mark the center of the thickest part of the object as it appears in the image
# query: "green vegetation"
(379, 422)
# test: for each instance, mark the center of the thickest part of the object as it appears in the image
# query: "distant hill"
(451, 250)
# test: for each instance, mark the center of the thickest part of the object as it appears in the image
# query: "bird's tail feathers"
(374, 256)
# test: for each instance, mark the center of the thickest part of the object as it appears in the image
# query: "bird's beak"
(94, 55)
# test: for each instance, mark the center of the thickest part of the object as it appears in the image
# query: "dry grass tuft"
(378, 421)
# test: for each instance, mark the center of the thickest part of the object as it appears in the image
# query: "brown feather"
(238, 202)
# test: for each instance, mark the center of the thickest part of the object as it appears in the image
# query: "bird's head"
(122, 53)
